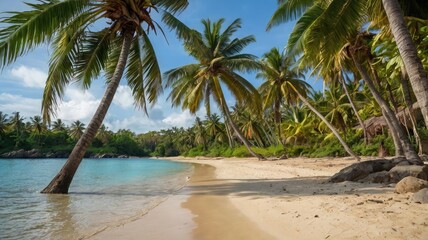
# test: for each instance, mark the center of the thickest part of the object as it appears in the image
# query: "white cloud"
(138, 124)
(123, 97)
(79, 105)
(182, 119)
(30, 77)
(16, 103)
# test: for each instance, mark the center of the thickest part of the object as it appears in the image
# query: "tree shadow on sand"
(287, 187)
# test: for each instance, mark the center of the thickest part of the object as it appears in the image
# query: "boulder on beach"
(399, 172)
(410, 184)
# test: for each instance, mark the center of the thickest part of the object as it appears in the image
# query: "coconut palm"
(37, 124)
(279, 73)
(409, 54)
(337, 107)
(58, 125)
(77, 129)
(81, 52)
(313, 37)
(283, 82)
(214, 128)
(250, 124)
(17, 126)
(200, 133)
(219, 58)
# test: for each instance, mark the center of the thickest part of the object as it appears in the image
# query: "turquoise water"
(104, 193)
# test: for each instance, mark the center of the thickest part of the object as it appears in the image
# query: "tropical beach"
(287, 199)
(189, 119)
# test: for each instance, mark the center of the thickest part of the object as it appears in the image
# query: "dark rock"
(410, 184)
(377, 177)
(421, 196)
(34, 153)
(399, 172)
(424, 157)
(358, 171)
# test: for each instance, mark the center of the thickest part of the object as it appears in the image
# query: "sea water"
(104, 193)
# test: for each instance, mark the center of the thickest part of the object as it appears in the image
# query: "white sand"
(287, 199)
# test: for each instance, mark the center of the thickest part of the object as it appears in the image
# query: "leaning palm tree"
(345, 16)
(313, 37)
(417, 75)
(219, 58)
(284, 82)
(82, 51)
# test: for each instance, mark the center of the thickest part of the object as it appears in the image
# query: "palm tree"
(337, 107)
(250, 124)
(345, 16)
(214, 128)
(281, 82)
(37, 124)
(3, 123)
(279, 73)
(18, 127)
(200, 134)
(81, 53)
(313, 37)
(77, 129)
(218, 60)
(409, 54)
(58, 125)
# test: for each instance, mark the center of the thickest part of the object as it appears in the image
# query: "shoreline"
(285, 199)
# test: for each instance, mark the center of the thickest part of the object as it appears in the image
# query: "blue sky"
(21, 84)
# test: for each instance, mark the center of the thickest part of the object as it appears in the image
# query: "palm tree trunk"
(406, 47)
(409, 106)
(399, 151)
(409, 151)
(277, 113)
(329, 125)
(228, 132)
(61, 182)
(354, 108)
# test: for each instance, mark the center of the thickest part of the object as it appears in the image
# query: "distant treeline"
(208, 137)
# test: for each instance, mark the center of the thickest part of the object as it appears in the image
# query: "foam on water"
(104, 193)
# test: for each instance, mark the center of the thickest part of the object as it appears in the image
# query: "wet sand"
(191, 213)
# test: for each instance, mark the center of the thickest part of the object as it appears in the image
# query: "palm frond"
(135, 74)
(152, 73)
(28, 29)
(289, 10)
(66, 47)
(172, 6)
(93, 56)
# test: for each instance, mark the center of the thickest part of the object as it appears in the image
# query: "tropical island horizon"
(273, 159)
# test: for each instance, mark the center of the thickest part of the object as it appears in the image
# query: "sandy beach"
(284, 199)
